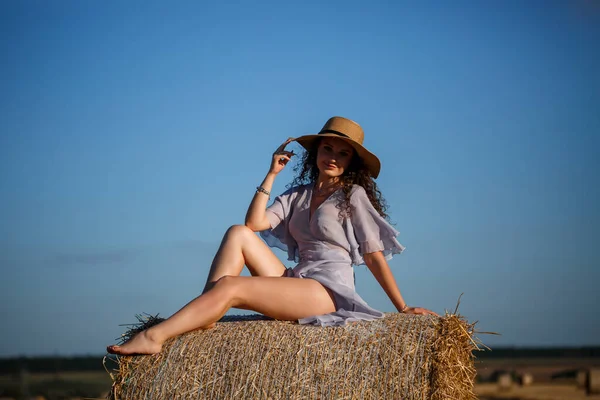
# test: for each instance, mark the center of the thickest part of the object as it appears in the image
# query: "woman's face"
(333, 156)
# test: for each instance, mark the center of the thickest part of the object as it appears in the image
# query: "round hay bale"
(581, 378)
(526, 379)
(505, 381)
(593, 382)
(399, 356)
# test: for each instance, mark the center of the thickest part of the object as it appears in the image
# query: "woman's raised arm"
(256, 218)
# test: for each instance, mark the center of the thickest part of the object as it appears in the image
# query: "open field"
(544, 370)
(554, 378)
(57, 386)
(62, 385)
(542, 391)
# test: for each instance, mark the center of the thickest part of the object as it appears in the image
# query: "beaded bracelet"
(260, 189)
(406, 307)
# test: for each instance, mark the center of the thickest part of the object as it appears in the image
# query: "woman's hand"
(281, 157)
(419, 311)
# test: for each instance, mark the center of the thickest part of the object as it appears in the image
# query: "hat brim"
(370, 160)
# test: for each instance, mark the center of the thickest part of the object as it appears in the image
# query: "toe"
(112, 348)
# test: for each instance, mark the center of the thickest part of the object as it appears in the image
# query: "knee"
(230, 289)
(238, 231)
(226, 283)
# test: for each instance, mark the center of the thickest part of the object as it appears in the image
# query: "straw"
(400, 356)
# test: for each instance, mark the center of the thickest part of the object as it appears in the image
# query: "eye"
(344, 153)
(327, 148)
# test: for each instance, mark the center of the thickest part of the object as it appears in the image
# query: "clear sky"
(133, 134)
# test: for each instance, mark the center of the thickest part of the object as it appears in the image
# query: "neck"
(324, 182)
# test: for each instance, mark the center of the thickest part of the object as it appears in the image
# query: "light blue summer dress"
(325, 246)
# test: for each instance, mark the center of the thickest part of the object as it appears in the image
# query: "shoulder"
(293, 192)
(300, 189)
(358, 195)
(357, 189)
(295, 189)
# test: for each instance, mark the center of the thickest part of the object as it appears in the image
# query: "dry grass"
(454, 371)
(400, 356)
(535, 392)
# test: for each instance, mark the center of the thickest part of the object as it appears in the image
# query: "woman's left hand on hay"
(419, 311)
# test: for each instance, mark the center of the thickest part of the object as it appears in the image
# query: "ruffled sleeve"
(278, 214)
(367, 231)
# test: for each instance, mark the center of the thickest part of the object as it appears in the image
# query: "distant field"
(554, 377)
(543, 369)
(56, 385)
(83, 376)
(534, 392)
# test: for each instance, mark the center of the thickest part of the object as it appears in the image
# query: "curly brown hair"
(356, 174)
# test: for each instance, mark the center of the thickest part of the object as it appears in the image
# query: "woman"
(335, 220)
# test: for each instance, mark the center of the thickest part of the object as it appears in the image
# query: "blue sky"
(133, 135)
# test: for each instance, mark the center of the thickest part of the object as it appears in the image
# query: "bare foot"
(139, 344)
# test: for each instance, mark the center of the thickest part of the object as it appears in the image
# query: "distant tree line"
(53, 364)
(537, 352)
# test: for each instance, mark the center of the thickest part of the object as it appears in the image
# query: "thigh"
(282, 298)
(259, 258)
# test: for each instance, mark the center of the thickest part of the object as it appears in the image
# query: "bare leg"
(279, 298)
(240, 246)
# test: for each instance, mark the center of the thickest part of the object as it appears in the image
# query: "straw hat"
(350, 132)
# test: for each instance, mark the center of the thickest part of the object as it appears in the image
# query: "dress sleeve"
(278, 214)
(371, 231)
(279, 209)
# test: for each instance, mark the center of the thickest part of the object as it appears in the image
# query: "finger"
(429, 312)
(287, 153)
(283, 156)
(280, 148)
